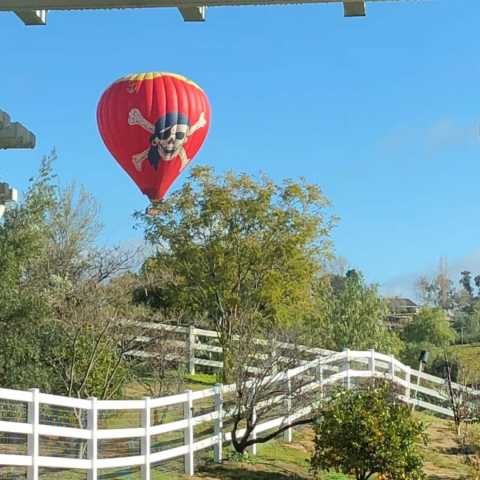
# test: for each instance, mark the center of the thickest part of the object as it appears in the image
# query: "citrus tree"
(365, 432)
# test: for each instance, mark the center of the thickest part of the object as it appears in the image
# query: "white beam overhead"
(33, 12)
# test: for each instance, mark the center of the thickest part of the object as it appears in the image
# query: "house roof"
(397, 302)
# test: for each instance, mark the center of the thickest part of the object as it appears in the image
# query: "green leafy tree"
(467, 312)
(235, 247)
(23, 241)
(89, 355)
(367, 432)
(472, 325)
(430, 330)
(467, 324)
(462, 302)
(466, 282)
(430, 325)
(58, 301)
(410, 355)
(439, 291)
(352, 315)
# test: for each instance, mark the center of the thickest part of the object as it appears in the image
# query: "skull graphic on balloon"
(153, 124)
(169, 134)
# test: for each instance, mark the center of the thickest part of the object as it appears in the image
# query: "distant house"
(401, 312)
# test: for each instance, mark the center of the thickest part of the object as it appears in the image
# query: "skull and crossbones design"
(168, 137)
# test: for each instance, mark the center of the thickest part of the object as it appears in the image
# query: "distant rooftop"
(402, 311)
(398, 302)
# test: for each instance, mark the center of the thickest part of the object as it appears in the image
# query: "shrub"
(367, 432)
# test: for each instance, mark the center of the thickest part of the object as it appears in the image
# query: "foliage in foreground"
(366, 432)
(61, 296)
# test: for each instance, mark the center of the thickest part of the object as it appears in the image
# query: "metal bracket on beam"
(354, 8)
(32, 17)
(193, 14)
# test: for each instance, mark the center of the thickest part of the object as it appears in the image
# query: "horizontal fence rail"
(194, 352)
(39, 430)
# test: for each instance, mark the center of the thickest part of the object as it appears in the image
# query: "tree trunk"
(240, 448)
(228, 375)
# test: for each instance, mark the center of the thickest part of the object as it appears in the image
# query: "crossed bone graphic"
(166, 142)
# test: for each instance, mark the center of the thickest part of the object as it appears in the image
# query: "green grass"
(275, 460)
(199, 381)
(442, 461)
(205, 379)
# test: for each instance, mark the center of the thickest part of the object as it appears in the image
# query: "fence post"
(254, 433)
(33, 439)
(190, 347)
(92, 450)
(147, 423)
(347, 368)
(415, 395)
(287, 435)
(188, 435)
(371, 362)
(319, 375)
(274, 358)
(392, 367)
(218, 449)
(408, 379)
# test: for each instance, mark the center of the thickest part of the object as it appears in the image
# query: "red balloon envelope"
(153, 124)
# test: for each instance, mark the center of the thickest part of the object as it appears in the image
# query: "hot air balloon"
(153, 124)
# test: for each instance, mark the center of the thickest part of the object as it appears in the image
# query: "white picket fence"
(28, 414)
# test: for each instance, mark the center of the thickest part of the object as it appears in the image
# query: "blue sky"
(382, 112)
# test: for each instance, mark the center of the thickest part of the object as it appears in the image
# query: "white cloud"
(441, 135)
(445, 134)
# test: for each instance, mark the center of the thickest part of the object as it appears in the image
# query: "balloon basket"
(152, 211)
